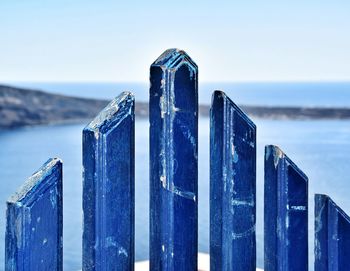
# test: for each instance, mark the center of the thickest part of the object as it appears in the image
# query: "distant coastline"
(25, 107)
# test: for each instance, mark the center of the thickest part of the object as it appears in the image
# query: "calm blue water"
(303, 94)
(320, 148)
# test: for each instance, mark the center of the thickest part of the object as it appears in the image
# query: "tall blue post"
(173, 162)
(34, 222)
(285, 213)
(332, 236)
(108, 187)
(232, 187)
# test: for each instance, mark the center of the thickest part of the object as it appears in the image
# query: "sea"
(321, 148)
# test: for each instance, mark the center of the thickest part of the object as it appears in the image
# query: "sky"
(116, 41)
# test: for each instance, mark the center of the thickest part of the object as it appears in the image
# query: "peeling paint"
(244, 234)
(232, 185)
(318, 252)
(97, 134)
(335, 237)
(107, 113)
(163, 106)
(163, 181)
(277, 155)
(296, 207)
(177, 191)
(234, 154)
(53, 198)
(175, 109)
(318, 218)
(237, 202)
(110, 112)
(267, 153)
(33, 180)
(110, 242)
(279, 229)
(122, 251)
(19, 231)
(224, 177)
(162, 83)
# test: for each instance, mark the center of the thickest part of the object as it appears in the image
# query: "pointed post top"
(275, 151)
(173, 162)
(333, 204)
(219, 94)
(34, 182)
(113, 113)
(279, 154)
(171, 59)
(317, 195)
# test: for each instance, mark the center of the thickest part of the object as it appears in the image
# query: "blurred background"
(286, 63)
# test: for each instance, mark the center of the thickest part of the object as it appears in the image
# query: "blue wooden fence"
(285, 213)
(34, 214)
(173, 162)
(232, 186)
(34, 222)
(108, 187)
(332, 236)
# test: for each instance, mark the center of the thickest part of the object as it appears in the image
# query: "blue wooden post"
(108, 188)
(285, 213)
(332, 236)
(173, 162)
(321, 232)
(232, 187)
(34, 222)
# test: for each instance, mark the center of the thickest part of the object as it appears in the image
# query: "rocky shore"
(23, 107)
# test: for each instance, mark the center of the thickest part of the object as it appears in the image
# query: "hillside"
(23, 107)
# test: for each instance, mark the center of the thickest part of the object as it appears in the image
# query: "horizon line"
(146, 81)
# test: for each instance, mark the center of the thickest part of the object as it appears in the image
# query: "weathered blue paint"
(285, 213)
(173, 162)
(34, 222)
(332, 236)
(321, 232)
(232, 187)
(108, 188)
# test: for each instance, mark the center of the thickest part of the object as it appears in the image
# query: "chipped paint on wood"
(332, 231)
(285, 213)
(321, 232)
(232, 187)
(173, 162)
(34, 222)
(108, 187)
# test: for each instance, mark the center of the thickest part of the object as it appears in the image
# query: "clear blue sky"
(100, 40)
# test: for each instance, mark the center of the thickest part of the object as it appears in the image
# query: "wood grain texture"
(232, 187)
(34, 222)
(332, 235)
(285, 213)
(173, 162)
(109, 188)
